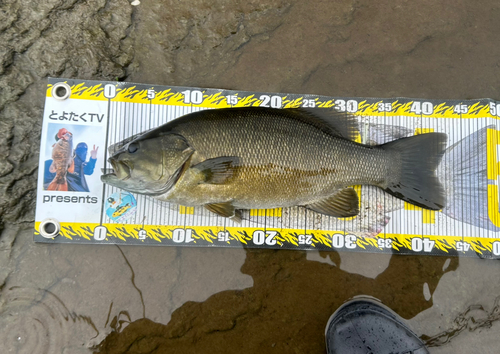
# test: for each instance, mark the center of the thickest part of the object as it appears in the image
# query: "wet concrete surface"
(109, 299)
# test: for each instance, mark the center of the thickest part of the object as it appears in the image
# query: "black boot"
(367, 327)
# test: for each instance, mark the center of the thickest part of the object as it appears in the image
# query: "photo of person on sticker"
(67, 169)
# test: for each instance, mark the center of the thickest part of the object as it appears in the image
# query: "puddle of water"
(37, 321)
(475, 317)
(286, 308)
(159, 299)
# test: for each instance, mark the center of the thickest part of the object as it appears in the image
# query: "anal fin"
(226, 210)
(342, 204)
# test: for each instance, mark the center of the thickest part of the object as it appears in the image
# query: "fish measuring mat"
(90, 117)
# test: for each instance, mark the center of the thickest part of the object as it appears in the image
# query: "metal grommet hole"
(49, 228)
(61, 91)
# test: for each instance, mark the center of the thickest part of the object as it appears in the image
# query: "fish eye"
(133, 147)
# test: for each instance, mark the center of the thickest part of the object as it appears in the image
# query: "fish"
(62, 160)
(233, 159)
(465, 170)
(374, 203)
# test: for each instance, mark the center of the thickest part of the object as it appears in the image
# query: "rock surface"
(72, 297)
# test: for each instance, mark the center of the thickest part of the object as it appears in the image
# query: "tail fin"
(465, 168)
(417, 182)
(54, 186)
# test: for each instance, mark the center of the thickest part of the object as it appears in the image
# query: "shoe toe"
(366, 327)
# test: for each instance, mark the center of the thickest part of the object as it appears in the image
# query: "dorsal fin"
(329, 120)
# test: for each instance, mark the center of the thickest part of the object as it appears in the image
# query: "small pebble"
(135, 3)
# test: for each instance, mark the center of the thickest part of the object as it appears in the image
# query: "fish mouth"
(67, 136)
(121, 169)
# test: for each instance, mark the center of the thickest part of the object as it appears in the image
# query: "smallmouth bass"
(62, 160)
(261, 158)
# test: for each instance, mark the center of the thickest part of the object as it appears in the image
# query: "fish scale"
(252, 158)
(284, 161)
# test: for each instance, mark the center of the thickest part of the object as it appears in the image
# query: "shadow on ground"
(285, 311)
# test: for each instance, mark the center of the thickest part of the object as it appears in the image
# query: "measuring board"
(98, 114)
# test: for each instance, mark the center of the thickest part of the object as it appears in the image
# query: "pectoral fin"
(52, 168)
(218, 170)
(226, 210)
(342, 204)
